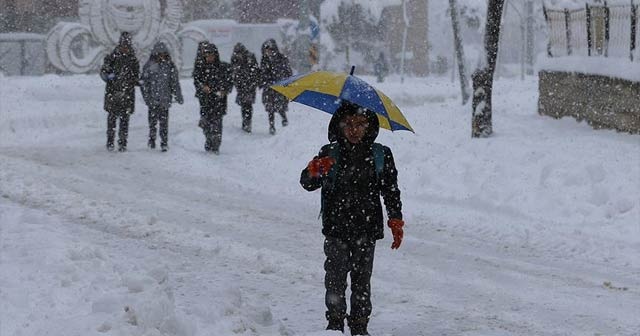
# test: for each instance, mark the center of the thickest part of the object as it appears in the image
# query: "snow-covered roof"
(603, 66)
(578, 4)
(329, 8)
(21, 37)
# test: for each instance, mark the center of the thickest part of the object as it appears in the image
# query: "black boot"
(152, 143)
(359, 329)
(336, 325)
(358, 326)
(110, 139)
(122, 145)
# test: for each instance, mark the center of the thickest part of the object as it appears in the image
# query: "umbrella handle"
(353, 69)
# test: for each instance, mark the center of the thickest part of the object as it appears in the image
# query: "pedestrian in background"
(246, 74)
(212, 79)
(381, 68)
(274, 66)
(120, 70)
(160, 85)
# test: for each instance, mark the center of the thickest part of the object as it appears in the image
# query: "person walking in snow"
(160, 84)
(353, 172)
(212, 79)
(381, 68)
(246, 73)
(120, 70)
(274, 66)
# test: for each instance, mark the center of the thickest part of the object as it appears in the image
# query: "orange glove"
(396, 229)
(320, 166)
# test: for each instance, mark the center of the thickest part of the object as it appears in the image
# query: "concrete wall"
(604, 102)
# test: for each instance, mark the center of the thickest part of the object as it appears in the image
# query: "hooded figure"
(120, 70)
(199, 56)
(160, 84)
(353, 172)
(212, 79)
(246, 74)
(274, 66)
(380, 68)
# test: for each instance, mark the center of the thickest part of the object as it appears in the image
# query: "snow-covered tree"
(481, 125)
(207, 9)
(354, 28)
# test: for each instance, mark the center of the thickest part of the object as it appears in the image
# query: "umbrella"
(324, 90)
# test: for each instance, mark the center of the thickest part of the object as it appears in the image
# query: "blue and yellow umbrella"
(324, 90)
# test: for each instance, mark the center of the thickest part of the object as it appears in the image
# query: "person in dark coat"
(199, 55)
(212, 79)
(381, 68)
(274, 66)
(246, 74)
(160, 85)
(120, 70)
(353, 172)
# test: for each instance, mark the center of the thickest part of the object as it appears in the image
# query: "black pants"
(272, 109)
(354, 257)
(247, 113)
(211, 124)
(159, 115)
(123, 131)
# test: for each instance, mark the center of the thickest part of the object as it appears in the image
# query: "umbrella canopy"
(324, 90)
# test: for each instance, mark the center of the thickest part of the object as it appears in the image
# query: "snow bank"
(604, 66)
(200, 245)
(54, 283)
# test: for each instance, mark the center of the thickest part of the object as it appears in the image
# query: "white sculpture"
(80, 47)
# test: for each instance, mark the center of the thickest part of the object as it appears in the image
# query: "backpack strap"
(334, 152)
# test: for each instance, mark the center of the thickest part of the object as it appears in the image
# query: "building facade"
(35, 16)
(417, 46)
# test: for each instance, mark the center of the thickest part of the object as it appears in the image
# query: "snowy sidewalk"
(531, 232)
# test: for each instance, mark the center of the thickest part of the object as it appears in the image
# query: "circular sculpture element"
(79, 47)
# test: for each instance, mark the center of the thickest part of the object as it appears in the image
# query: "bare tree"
(457, 43)
(482, 78)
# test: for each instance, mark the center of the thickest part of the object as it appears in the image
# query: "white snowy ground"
(534, 231)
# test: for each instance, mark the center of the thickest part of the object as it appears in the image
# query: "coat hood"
(270, 44)
(347, 109)
(125, 39)
(159, 48)
(210, 48)
(239, 48)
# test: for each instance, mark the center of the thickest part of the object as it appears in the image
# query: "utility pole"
(404, 39)
(457, 43)
(304, 38)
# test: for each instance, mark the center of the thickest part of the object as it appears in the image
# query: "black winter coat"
(246, 75)
(351, 206)
(272, 70)
(160, 81)
(120, 72)
(217, 76)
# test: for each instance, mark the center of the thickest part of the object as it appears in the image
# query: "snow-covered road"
(535, 231)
